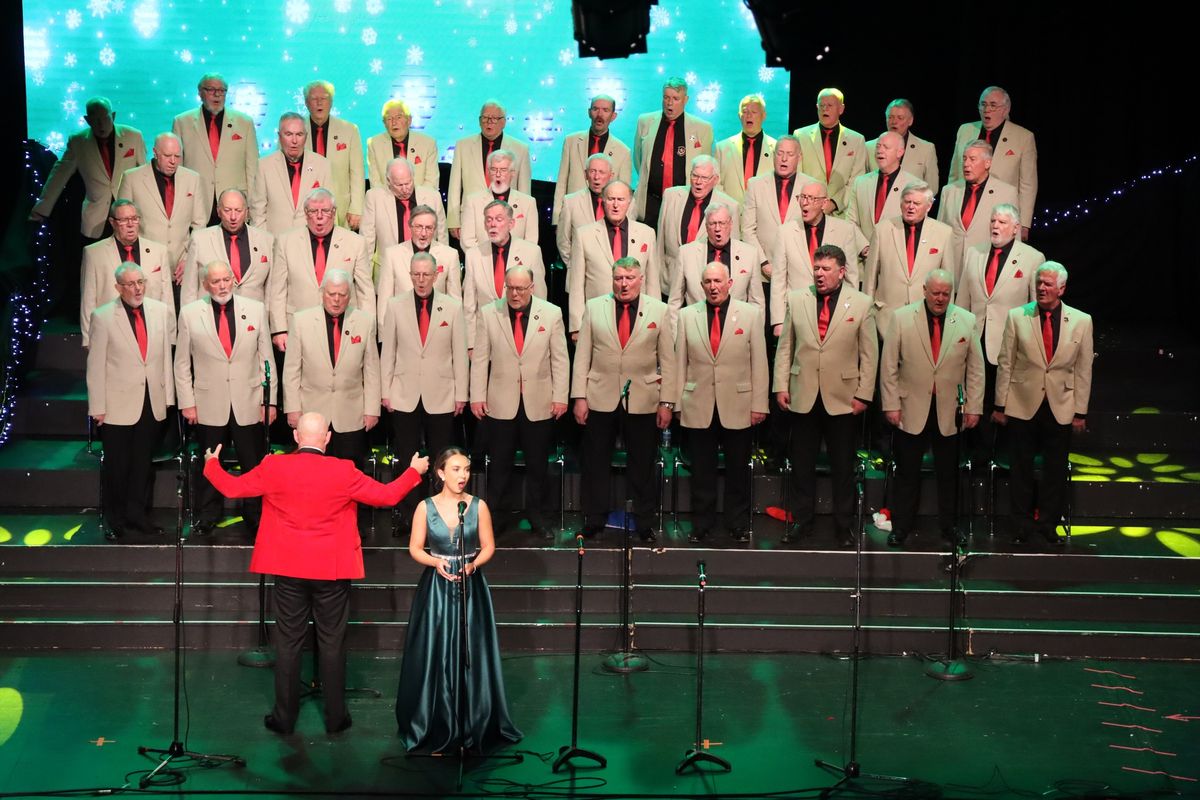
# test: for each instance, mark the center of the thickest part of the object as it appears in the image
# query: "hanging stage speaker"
(611, 28)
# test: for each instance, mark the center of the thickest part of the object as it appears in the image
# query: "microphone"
(703, 573)
(961, 398)
(462, 509)
(579, 541)
(625, 389)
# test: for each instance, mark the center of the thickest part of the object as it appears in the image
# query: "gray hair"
(1053, 266)
(990, 89)
(320, 193)
(982, 146)
(207, 268)
(941, 276)
(326, 85)
(699, 161)
(290, 115)
(423, 256)
(335, 277)
(1007, 210)
(496, 155)
(232, 190)
(627, 262)
(676, 83)
(128, 266)
(918, 187)
(599, 157)
(899, 102)
(213, 76)
(507, 208)
(715, 208)
(97, 102)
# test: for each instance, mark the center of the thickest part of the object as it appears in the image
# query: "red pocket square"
(520, 216)
(848, 155)
(849, 319)
(742, 271)
(962, 339)
(249, 328)
(738, 332)
(189, 194)
(237, 137)
(316, 184)
(416, 159)
(341, 145)
(652, 325)
(933, 251)
(129, 153)
(344, 260)
(1010, 153)
(645, 247)
(541, 329)
(262, 260)
(696, 144)
(444, 324)
(157, 269)
(355, 339)
(1019, 274)
(441, 268)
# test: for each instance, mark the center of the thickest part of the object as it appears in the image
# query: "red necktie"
(1048, 335)
(785, 197)
(337, 339)
(519, 333)
(223, 331)
(106, 157)
(491, 145)
(968, 212)
(668, 156)
(910, 247)
(693, 221)
(139, 330)
(935, 339)
(623, 326)
(319, 261)
(401, 148)
(823, 317)
(320, 145)
(618, 251)
(987, 135)
(881, 194)
(719, 256)
(812, 242)
(129, 253)
(235, 258)
(714, 333)
(498, 270)
(993, 270)
(828, 144)
(599, 208)
(214, 136)
(169, 196)
(405, 230)
(595, 145)
(748, 168)
(423, 319)
(295, 170)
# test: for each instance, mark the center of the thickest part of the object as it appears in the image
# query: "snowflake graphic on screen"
(659, 18)
(118, 6)
(185, 56)
(510, 26)
(55, 141)
(341, 6)
(706, 100)
(146, 18)
(74, 19)
(70, 108)
(107, 56)
(360, 87)
(374, 7)
(70, 60)
(376, 66)
(566, 57)
(472, 42)
(99, 8)
(415, 56)
(369, 36)
(681, 37)
(297, 11)
(766, 74)
(690, 78)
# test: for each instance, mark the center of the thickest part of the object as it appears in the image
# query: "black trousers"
(250, 443)
(329, 604)
(128, 478)
(653, 206)
(599, 441)
(535, 439)
(703, 443)
(1028, 437)
(413, 431)
(839, 432)
(351, 445)
(909, 449)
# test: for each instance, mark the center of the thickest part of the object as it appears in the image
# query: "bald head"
(889, 150)
(312, 431)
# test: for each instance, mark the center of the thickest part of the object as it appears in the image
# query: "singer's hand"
(757, 417)
(999, 418)
(280, 341)
(784, 399)
(370, 421)
(857, 406)
(558, 409)
(420, 463)
(893, 418)
(479, 410)
(383, 401)
(970, 421)
(209, 455)
(293, 418)
(1079, 425)
(458, 407)
(443, 569)
(581, 410)
(189, 414)
(663, 417)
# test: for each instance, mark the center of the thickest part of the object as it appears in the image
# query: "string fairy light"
(1082, 209)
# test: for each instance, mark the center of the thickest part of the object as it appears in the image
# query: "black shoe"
(896, 539)
(794, 533)
(113, 534)
(698, 535)
(647, 535)
(275, 726)
(740, 534)
(203, 528)
(344, 725)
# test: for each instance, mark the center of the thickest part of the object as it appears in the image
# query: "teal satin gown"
(426, 698)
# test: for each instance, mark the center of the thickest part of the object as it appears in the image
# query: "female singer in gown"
(429, 676)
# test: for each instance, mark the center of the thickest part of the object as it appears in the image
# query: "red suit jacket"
(309, 525)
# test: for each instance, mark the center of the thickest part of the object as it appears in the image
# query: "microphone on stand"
(579, 542)
(703, 573)
(462, 510)
(625, 389)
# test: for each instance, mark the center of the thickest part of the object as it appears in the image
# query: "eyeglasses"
(131, 284)
(213, 90)
(806, 200)
(397, 118)
(319, 212)
(421, 276)
(518, 289)
(120, 220)
(990, 105)
(491, 119)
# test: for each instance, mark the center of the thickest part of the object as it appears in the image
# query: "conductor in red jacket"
(308, 539)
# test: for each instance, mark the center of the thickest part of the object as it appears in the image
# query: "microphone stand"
(954, 668)
(852, 768)
(568, 752)
(699, 754)
(176, 749)
(464, 664)
(261, 655)
(625, 661)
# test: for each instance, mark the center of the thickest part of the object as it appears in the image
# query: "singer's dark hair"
(444, 456)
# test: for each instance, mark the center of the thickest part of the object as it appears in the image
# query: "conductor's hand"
(445, 573)
(209, 455)
(420, 463)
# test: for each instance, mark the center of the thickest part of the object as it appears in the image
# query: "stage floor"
(1062, 727)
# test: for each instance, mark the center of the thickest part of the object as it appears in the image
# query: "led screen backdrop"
(444, 56)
